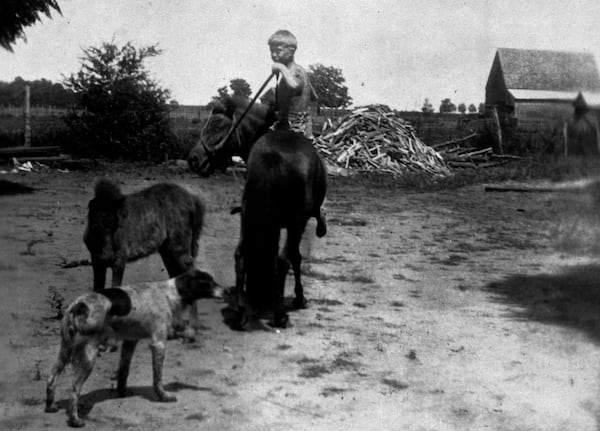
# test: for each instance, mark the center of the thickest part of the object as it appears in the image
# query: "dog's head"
(196, 284)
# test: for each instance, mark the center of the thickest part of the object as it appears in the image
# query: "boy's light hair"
(283, 37)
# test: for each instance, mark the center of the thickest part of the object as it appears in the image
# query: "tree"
(15, 15)
(43, 93)
(481, 108)
(125, 112)
(462, 108)
(447, 106)
(328, 83)
(472, 108)
(239, 87)
(427, 107)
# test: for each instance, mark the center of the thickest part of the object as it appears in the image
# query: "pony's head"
(219, 141)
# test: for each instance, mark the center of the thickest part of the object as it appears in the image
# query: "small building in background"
(583, 131)
(536, 89)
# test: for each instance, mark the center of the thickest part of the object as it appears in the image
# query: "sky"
(393, 52)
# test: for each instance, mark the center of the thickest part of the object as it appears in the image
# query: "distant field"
(45, 130)
(53, 131)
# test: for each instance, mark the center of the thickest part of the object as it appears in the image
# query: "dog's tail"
(81, 319)
(70, 327)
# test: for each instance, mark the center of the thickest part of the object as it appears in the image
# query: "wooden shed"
(537, 88)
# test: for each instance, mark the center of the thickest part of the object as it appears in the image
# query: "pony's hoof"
(76, 422)
(281, 321)
(52, 408)
(165, 398)
(189, 335)
(321, 230)
(299, 303)
(239, 320)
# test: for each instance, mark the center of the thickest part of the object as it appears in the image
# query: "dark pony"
(285, 186)
(213, 151)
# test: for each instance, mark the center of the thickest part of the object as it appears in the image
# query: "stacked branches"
(374, 138)
(460, 153)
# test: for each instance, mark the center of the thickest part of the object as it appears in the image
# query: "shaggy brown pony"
(163, 218)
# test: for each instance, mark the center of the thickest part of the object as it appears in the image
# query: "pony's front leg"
(99, 270)
(237, 301)
(118, 270)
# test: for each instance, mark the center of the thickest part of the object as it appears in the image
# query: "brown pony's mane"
(211, 148)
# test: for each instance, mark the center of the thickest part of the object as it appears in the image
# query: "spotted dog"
(129, 313)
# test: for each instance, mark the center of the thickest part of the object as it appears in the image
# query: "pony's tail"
(197, 223)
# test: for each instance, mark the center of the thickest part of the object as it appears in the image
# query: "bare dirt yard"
(450, 310)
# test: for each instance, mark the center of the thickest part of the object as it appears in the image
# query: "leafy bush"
(125, 112)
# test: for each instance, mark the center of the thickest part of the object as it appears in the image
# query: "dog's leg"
(177, 264)
(189, 332)
(158, 357)
(57, 369)
(83, 363)
(127, 349)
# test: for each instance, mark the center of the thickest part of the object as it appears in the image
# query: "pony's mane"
(225, 112)
(236, 105)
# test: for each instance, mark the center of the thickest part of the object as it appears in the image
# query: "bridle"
(211, 152)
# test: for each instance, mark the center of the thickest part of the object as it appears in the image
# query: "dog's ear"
(196, 284)
(121, 301)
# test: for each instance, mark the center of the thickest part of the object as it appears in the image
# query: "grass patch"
(314, 371)
(329, 391)
(396, 385)
(326, 302)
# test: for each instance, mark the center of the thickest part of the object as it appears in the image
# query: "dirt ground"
(451, 310)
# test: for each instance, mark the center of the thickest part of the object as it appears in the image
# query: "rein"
(241, 117)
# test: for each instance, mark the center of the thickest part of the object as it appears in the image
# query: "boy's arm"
(296, 83)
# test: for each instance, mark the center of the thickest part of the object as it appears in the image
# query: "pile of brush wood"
(375, 138)
(461, 153)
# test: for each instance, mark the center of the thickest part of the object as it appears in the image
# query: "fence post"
(497, 130)
(27, 114)
(566, 138)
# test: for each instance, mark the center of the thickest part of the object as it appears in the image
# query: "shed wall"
(538, 114)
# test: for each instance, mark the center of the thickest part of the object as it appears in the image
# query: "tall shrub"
(123, 112)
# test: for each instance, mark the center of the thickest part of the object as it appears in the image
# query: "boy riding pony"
(293, 89)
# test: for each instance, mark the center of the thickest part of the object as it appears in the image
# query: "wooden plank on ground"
(29, 151)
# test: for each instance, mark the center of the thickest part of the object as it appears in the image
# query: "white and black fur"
(129, 313)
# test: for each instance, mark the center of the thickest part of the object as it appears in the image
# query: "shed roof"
(548, 70)
(520, 94)
(589, 99)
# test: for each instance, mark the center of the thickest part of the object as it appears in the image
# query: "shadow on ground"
(88, 400)
(570, 298)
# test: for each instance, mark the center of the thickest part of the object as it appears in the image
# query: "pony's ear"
(217, 107)
(230, 105)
